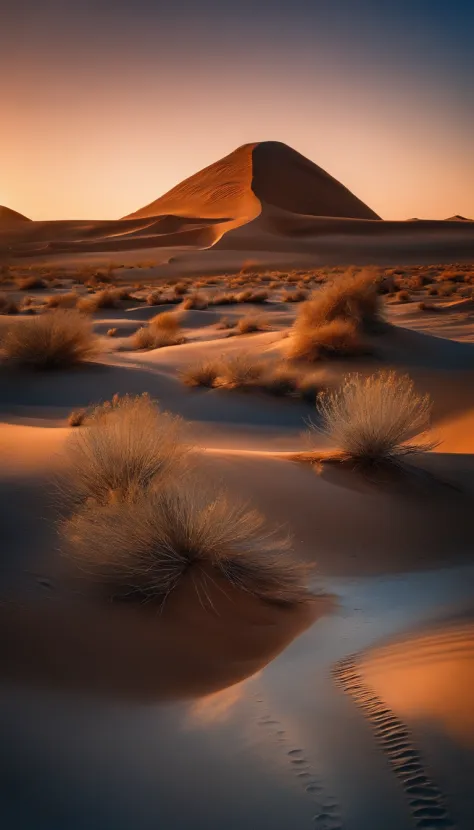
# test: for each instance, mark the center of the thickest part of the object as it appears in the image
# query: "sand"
(352, 712)
(264, 204)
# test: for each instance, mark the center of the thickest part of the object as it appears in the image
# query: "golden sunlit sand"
(211, 596)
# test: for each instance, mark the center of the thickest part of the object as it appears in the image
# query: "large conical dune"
(10, 217)
(239, 186)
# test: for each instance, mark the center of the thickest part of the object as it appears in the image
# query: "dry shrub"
(141, 550)
(251, 323)
(54, 340)
(352, 297)
(196, 301)
(226, 298)
(226, 323)
(202, 374)
(294, 296)
(239, 371)
(107, 298)
(128, 447)
(162, 330)
(154, 297)
(180, 288)
(337, 339)
(111, 332)
(77, 417)
(30, 283)
(68, 300)
(8, 306)
(374, 420)
(282, 381)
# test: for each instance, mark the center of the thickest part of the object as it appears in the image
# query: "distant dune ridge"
(11, 217)
(264, 204)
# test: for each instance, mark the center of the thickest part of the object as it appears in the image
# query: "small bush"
(196, 301)
(162, 330)
(294, 296)
(402, 297)
(374, 420)
(107, 298)
(77, 417)
(128, 447)
(226, 323)
(202, 374)
(154, 298)
(224, 299)
(30, 283)
(250, 324)
(337, 339)
(167, 321)
(54, 340)
(68, 300)
(140, 551)
(239, 371)
(281, 382)
(351, 297)
(111, 332)
(180, 288)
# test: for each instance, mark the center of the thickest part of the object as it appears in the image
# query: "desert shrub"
(54, 340)
(128, 447)
(154, 298)
(338, 339)
(196, 301)
(374, 420)
(167, 321)
(239, 371)
(141, 550)
(251, 323)
(352, 297)
(281, 381)
(201, 374)
(30, 283)
(294, 296)
(68, 300)
(77, 417)
(445, 289)
(107, 298)
(226, 298)
(226, 323)
(180, 288)
(162, 330)
(111, 332)
(8, 306)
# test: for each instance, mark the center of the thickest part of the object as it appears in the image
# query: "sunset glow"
(107, 108)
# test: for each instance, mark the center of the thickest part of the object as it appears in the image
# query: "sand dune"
(11, 217)
(263, 202)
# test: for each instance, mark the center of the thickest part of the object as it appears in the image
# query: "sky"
(106, 104)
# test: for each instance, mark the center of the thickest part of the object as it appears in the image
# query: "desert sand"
(352, 711)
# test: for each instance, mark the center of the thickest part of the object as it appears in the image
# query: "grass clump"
(107, 298)
(77, 417)
(196, 301)
(337, 339)
(202, 374)
(128, 447)
(68, 300)
(55, 340)
(374, 420)
(239, 372)
(251, 323)
(162, 330)
(141, 550)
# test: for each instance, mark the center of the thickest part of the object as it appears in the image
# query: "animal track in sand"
(427, 803)
(327, 815)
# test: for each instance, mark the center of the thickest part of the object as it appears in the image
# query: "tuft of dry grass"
(68, 300)
(141, 550)
(128, 447)
(251, 323)
(402, 297)
(225, 298)
(196, 301)
(294, 296)
(55, 340)
(239, 371)
(202, 374)
(337, 339)
(162, 330)
(111, 332)
(154, 297)
(107, 298)
(30, 283)
(352, 297)
(77, 417)
(374, 420)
